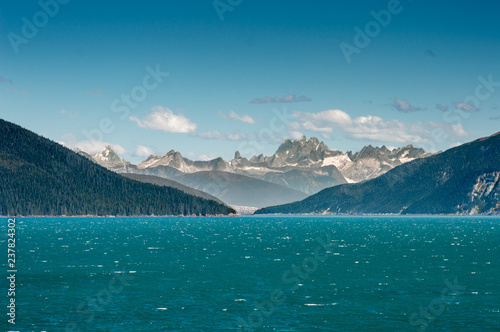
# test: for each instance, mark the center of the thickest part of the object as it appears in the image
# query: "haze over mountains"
(461, 180)
(163, 182)
(297, 169)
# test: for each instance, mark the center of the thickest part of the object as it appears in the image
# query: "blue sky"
(245, 75)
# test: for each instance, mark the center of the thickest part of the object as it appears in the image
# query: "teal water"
(302, 273)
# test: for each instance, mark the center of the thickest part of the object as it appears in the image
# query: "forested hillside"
(41, 177)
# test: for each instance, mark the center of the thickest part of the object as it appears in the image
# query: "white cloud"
(206, 157)
(89, 146)
(93, 147)
(234, 116)
(458, 130)
(370, 127)
(295, 134)
(448, 129)
(322, 121)
(454, 145)
(466, 107)
(143, 151)
(164, 119)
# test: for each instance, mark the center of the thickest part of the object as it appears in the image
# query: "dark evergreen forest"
(41, 177)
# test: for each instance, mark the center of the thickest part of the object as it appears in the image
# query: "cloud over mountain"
(162, 118)
(143, 151)
(370, 127)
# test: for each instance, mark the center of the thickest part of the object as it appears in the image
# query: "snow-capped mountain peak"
(107, 155)
(307, 165)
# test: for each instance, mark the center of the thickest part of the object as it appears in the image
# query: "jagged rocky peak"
(405, 148)
(217, 160)
(108, 154)
(258, 159)
(303, 148)
(172, 153)
(381, 153)
(152, 157)
(277, 160)
(409, 152)
(109, 159)
(173, 158)
(366, 152)
(239, 161)
(384, 149)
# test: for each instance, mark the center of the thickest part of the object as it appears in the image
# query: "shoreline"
(232, 215)
(119, 216)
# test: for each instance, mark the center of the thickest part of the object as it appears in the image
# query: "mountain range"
(461, 180)
(298, 168)
(41, 177)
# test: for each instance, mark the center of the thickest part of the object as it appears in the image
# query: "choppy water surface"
(300, 273)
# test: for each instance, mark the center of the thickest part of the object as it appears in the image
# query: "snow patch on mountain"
(304, 165)
(107, 155)
(341, 161)
(109, 159)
